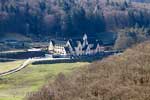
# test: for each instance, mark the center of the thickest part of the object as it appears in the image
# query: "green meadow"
(16, 86)
(5, 66)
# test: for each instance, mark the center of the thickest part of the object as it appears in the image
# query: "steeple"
(85, 41)
(85, 37)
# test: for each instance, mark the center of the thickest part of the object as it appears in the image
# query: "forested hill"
(70, 17)
(143, 1)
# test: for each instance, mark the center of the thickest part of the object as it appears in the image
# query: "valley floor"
(16, 86)
(6, 66)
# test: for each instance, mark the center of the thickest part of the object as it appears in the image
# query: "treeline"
(143, 1)
(69, 17)
(130, 36)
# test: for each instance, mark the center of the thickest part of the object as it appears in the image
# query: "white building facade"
(76, 47)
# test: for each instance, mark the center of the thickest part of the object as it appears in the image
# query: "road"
(27, 62)
(31, 60)
(16, 69)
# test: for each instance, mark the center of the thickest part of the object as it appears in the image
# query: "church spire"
(85, 37)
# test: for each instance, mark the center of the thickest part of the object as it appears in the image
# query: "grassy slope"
(5, 66)
(15, 86)
(123, 77)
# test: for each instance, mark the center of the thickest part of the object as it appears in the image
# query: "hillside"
(16, 86)
(69, 17)
(143, 1)
(119, 77)
(14, 36)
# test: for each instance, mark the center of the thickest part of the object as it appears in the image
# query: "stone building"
(76, 47)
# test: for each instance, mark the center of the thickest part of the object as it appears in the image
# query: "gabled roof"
(85, 48)
(94, 41)
(67, 49)
(108, 38)
(99, 42)
(94, 46)
(91, 35)
(74, 42)
(91, 41)
(59, 42)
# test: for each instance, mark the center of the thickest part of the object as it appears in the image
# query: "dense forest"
(70, 17)
(130, 36)
(143, 1)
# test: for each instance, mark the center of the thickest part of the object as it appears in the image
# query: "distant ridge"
(71, 17)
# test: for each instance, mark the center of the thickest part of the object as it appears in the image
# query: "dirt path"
(16, 69)
(27, 62)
